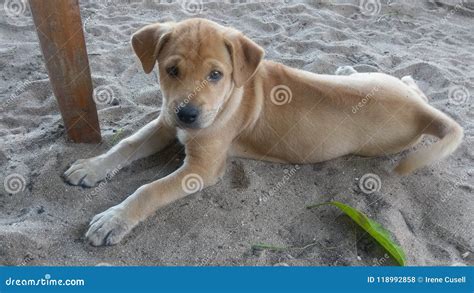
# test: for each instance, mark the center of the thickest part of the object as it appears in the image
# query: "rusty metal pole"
(59, 28)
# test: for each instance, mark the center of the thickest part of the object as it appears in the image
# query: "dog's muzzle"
(188, 114)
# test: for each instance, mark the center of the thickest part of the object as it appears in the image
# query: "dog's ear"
(148, 41)
(246, 56)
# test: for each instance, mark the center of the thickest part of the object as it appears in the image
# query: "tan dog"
(221, 99)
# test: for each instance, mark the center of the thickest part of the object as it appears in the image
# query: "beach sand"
(430, 213)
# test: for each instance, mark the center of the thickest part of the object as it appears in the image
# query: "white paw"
(408, 79)
(109, 227)
(345, 70)
(86, 172)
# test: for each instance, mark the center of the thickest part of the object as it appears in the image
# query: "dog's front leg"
(152, 138)
(198, 171)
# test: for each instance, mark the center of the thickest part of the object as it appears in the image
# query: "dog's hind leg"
(440, 125)
(345, 70)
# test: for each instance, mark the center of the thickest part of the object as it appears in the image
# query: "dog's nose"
(188, 114)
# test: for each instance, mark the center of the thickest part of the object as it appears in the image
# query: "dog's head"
(200, 63)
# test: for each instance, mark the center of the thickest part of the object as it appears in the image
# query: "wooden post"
(59, 28)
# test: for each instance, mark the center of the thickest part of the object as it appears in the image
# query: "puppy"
(221, 99)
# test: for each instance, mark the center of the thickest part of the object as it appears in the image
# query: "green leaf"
(376, 230)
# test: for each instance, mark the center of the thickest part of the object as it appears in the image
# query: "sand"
(430, 213)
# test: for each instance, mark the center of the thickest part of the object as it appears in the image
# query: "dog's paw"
(86, 172)
(109, 227)
(345, 70)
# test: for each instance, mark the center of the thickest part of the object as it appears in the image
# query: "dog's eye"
(214, 75)
(172, 71)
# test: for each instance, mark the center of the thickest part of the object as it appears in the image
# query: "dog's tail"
(441, 126)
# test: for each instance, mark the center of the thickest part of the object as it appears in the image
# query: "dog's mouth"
(187, 118)
(205, 120)
(194, 125)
